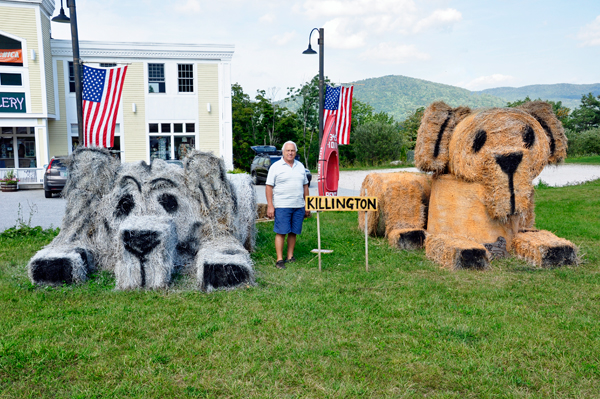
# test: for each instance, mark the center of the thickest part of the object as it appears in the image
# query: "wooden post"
(319, 238)
(366, 237)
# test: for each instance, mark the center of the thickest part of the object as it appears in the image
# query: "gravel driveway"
(51, 210)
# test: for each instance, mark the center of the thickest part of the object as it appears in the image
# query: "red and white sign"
(11, 56)
(329, 163)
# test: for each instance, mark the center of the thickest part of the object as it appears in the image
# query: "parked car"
(267, 155)
(55, 176)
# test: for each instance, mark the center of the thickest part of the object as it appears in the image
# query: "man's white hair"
(289, 142)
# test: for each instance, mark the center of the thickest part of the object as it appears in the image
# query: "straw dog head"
(501, 148)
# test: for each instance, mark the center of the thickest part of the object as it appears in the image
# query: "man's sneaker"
(280, 264)
(290, 260)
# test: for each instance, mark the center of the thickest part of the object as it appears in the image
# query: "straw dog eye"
(528, 137)
(169, 202)
(125, 205)
(480, 139)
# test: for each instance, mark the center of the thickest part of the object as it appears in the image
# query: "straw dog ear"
(543, 113)
(437, 126)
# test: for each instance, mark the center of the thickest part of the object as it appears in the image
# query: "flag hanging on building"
(338, 105)
(102, 89)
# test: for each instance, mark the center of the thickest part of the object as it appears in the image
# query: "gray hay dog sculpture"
(146, 222)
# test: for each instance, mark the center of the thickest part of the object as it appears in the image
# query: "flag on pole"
(102, 89)
(338, 105)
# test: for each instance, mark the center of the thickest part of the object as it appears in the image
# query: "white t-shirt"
(288, 184)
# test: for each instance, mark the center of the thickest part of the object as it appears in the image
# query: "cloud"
(190, 6)
(353, 23)
(341, 33)
(268, 18)
(394, 53)
(438, 19)
(589, 35)
(486, 82)
(280, 40)
(340, 8)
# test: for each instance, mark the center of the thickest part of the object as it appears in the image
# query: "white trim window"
(11, 79)
(156, 78)
(169, 140)
(71, 78)
(18, 147)
(115, 150)
(185, 78)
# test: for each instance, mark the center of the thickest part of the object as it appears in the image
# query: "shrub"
(584, 143)
(376, 142)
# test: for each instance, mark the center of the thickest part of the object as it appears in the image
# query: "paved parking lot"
(48, 212)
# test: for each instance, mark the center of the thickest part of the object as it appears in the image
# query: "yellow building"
(175, 96)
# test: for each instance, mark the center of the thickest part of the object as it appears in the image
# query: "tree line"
(582, 124)
(263, 121)
(375, 138)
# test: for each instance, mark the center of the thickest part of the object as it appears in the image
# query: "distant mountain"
(569, 94)
(400, 96)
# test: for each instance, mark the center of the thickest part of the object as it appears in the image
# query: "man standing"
(286, 188)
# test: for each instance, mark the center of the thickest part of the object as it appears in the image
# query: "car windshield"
(57, 164)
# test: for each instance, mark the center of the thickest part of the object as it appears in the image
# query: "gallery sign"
(12, 102)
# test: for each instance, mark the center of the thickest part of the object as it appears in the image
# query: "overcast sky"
(475, 44)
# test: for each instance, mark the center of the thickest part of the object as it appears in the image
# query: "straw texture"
(402, 200)
(544, 249)
(147, 222)
(481, 193)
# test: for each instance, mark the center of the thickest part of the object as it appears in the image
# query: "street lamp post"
(309, 50)
(62, 18)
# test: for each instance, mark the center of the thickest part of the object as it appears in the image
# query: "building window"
(186, 78)
(156, 78)
(170, 141)
(115, 150)
(10, 79)
(71, 78)
(17, 147)
(108, 65)
(11, 52)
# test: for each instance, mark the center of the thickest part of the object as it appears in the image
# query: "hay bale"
(402, 201)
(543, 113)
(456, 253)
(544, 249)
(435, 131)
(261, 211)
(145, 222)
(245, 213)
(459, 208)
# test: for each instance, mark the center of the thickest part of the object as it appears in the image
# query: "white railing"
(26, 175)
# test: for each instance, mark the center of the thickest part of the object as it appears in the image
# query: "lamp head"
(61, 17)
(309, 50)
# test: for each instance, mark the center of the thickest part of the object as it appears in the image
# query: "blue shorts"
(288, 220)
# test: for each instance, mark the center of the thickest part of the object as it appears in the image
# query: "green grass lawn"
(404, 329)
(592, 160)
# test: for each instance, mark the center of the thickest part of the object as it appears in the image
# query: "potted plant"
(9, 182)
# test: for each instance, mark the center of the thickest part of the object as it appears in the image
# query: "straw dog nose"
(509, 162)
(140, 242)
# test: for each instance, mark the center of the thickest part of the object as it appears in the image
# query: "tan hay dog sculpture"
(146, 222)
(478, 204)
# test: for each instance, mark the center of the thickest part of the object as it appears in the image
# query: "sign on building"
(12, 102)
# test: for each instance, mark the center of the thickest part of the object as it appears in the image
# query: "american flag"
(338, 104)
(102, 89)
